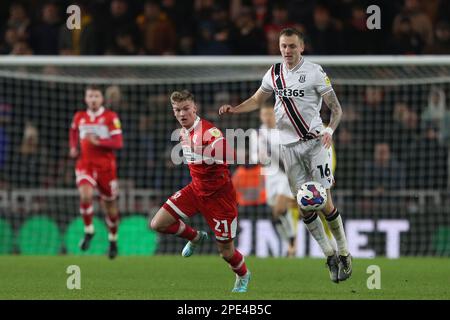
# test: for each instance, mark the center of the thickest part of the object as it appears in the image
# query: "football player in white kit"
(265, 149)
(300, 86)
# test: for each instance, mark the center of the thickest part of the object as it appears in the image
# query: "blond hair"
(180, 96)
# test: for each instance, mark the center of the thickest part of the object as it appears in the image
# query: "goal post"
(392, 150)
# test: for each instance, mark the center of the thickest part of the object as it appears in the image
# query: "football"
(312, 196)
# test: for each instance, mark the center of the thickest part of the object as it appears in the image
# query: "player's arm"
(115, 141)
(333, 104)
(73, 138)
(251, 104)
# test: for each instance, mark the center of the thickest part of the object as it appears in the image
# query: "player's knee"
(153, 224)
(156, 225)
(86, 198)
(226, 253)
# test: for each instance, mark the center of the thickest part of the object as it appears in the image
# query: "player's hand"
(327, 137)
(226, 108)
(73, 153)
(92, 138)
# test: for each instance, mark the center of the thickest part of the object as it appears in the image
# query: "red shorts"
(219, 210)
(102, 178)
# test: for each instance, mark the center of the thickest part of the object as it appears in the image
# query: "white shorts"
(307, 161)
(277, 184)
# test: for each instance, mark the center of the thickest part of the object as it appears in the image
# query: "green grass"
(208, 277)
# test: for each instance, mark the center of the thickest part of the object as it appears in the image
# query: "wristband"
(328, 129)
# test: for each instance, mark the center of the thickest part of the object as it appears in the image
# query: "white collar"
(197, 120)
(296, 67)
(99, 112)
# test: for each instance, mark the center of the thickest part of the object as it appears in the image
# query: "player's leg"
(283, 222)
(108, 188)
(165, 221)
(298, 172)
(327, 230)
(321, 163)
(168, 219)
(221, 213)
(336, 226)
(112, 217)
(236, 262)
(86, 185)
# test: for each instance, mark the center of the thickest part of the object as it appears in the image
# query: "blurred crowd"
(214, 27)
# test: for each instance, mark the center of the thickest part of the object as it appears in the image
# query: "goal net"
(391, 149)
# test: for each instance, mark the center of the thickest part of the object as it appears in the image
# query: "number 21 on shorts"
(223, 223)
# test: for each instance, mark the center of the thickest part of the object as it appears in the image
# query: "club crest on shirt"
(215, 132)
(327, 80)
(302, 78)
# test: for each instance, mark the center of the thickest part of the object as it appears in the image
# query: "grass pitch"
(208, 277)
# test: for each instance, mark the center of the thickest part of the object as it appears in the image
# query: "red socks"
(181, 230)
(87, 212)
(237, 263)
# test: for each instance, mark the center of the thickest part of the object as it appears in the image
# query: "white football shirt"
(298, 99)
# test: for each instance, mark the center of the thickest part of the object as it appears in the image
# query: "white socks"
(337, 229)
(315, 227)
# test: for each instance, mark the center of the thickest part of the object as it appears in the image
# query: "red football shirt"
(105, 124)
(204, 149)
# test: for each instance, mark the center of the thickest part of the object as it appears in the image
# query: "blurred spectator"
(428, 165)
(19, 20)
(384, 172)
(260, 8)
(349, 156)
(404, 131)
(16, 28)
(325, 36)
(44, 36)
(441, 44)
(10, 39)
(246, 37)
(358, 38)
(28, 165)
(119, 25)
(420, 22)
(405, 39)
(181, 14)
(158, 31)
(21, 48)
(376, 115)
(214, 34)
(435, 110)
(124, 44)
(279, 21)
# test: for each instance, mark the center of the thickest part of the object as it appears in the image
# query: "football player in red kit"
(210, 193)
(98, 132)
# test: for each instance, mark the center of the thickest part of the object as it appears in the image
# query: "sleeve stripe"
(114, 132)
(326, 91)
(214, 142)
